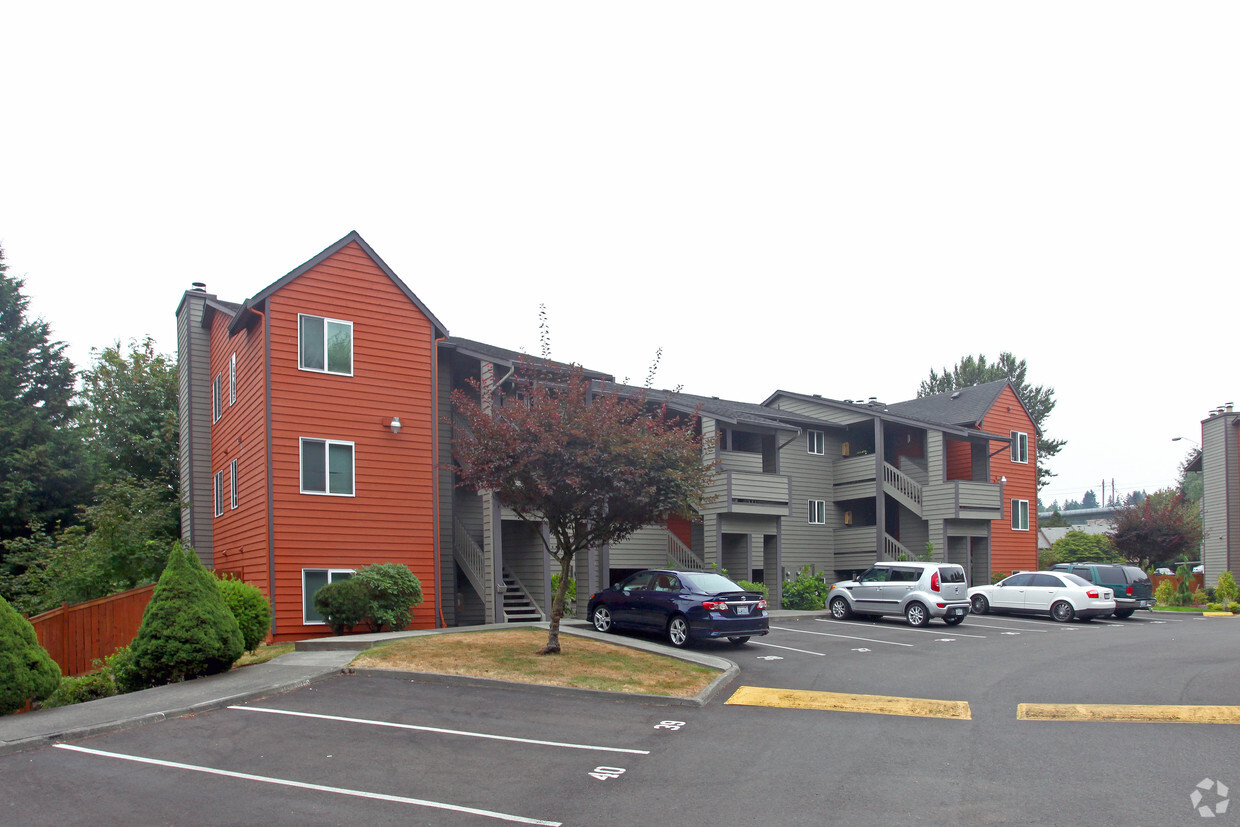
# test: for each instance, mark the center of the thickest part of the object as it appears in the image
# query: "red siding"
(390, 517)
(240, 535)
(1013, 550)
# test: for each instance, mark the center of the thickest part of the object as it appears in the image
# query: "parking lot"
(393, 750)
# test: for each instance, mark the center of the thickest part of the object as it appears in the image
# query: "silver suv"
(919, 591)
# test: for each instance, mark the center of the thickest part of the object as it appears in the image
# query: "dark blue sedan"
(684, 605)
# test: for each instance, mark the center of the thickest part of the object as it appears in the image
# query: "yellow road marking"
(1217, 614)
(1130, 713)
(849, 702)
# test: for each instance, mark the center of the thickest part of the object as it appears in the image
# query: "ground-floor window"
(311, 581)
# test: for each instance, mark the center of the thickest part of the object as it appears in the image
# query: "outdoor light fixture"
(395, 425)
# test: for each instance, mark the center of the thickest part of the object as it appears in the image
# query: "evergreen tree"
(27, 671)
(45, 476)
(187, 629)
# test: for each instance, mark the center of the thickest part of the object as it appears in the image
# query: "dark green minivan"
(1132, 586)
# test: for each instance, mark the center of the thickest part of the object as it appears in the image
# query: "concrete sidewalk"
(312, 660)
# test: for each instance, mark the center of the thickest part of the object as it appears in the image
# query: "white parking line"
(283, 782)
(847, 637)
(898, 628)
(465, 733)
(975, 624)
(788, 648)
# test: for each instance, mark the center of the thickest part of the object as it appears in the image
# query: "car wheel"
(980, 604)
(954, 621)
(1124, 613)
(739, 641)
(601, 618)
(678, 631)
(916, 614)
(1062, 611)
(840, 609)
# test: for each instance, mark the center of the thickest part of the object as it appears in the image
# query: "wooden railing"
(894, 550)
(470, 556)
(78, 635)
(903, 485)
(685, 557)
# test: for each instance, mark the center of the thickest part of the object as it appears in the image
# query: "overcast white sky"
(820, 197)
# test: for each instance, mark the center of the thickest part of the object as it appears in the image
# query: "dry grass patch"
(263, 654)
(509, 655)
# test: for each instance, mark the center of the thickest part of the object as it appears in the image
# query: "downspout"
(435, 476)
(271, 547)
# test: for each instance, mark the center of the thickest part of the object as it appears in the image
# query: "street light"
(1186, 439)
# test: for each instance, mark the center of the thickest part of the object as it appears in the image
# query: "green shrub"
(1200, 597)
(750, 586)
(27, 671)
(187, 630)
(1226, 591)
(75, 690)
(570, 593)
(807, 591)
(1233, 607)
(251, 609)
(996, 576)
(394, 589)
(1165, 593)
(343, 604)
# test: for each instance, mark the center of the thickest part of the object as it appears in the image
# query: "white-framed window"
(232, 379)
(815, 442)
(324, 345)
(232, 483)
(326, 467)
(217, 401)
(218, 493)
(1020, 447)
(817, 512)
(1020, 515)
(311, 581)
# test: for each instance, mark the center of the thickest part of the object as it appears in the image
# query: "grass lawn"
(509, 655)
(263, 654)
(1197, 609)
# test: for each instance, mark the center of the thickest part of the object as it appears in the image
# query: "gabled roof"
(503, 356)
(884, 412)
(243, 315)
(721, 410)
(966, 406)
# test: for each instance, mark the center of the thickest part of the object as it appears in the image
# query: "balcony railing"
(742, 492)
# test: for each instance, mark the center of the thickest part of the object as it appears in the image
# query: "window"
(232, 380)
(326, 467)
(216, 402)
(816, 442)
(311, 581)
(1020, 515)
(817, 512)
(1020, 447)
(232, 482)
(326, 345)
(219, 493)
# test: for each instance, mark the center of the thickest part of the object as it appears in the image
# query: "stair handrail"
(684, 556)
(902, 483)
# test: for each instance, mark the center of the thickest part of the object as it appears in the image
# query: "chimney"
(199, 287)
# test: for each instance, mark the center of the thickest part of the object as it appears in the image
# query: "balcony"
(745, 492)
(963, 500)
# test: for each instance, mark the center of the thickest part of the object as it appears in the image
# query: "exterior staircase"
(518, 606)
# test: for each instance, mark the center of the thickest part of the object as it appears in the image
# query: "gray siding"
(644, 549)
(194, 424)
(810, 477)
(1220, 496)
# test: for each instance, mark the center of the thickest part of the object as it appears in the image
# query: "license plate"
(742, 610)
(957, 612)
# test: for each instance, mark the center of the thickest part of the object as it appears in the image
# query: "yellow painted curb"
(1130, 713)
(847, 702)
(1217, 614)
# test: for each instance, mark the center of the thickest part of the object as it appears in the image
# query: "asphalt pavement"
(312, 660)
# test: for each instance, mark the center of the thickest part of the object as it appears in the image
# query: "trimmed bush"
(251, 609)
(1165, 593)
(187, 629)
(750, 586)
(1226, 591)
(75, 690)
(343, 604)
(27, 671)
(394, 589)
(807, 591)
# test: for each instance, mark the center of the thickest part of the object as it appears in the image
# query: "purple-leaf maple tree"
(592, 462)
(1158, 529)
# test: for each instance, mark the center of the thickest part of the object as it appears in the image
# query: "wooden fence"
(75, 636)
(1195, 581)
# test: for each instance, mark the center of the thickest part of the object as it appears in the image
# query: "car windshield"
(709, 582)
(1074, 580)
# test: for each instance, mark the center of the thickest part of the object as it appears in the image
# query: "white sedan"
(1061, 595)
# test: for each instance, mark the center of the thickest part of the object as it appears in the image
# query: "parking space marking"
(1007, 628)
(898, 628)
(284, 782)
(789, 648)
(846, 637)
(1130, 713)
(440, 731)
(850, 702)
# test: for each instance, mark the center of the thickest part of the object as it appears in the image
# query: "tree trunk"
(557, 607)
